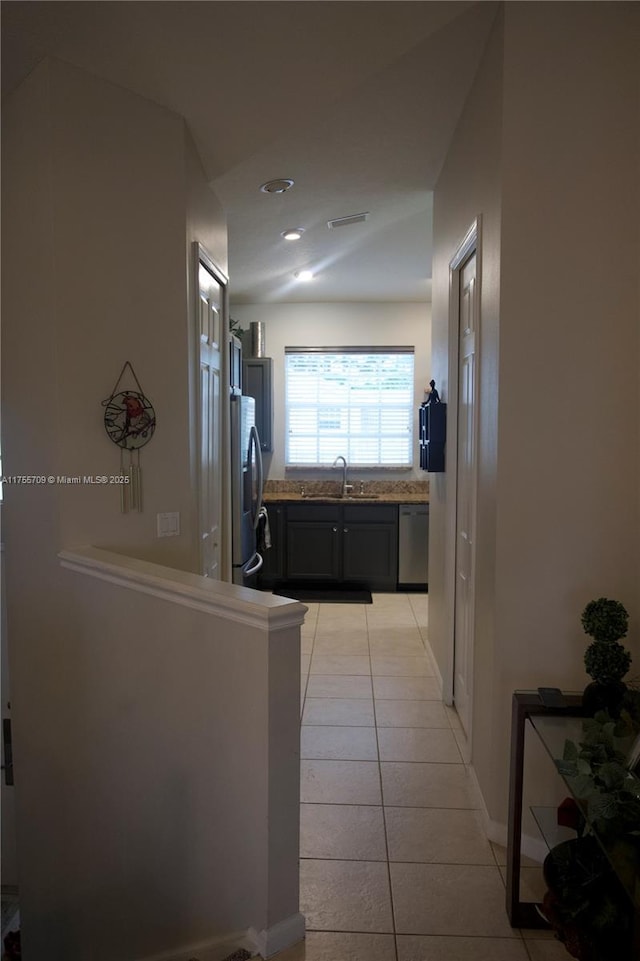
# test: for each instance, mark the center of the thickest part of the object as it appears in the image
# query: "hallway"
(394, 862)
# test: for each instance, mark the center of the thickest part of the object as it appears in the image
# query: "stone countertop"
(328, 492)
(273, 497)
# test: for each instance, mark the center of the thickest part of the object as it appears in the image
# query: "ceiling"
(354, 100)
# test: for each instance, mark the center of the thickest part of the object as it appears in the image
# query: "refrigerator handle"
(255, 440)
(254, 565)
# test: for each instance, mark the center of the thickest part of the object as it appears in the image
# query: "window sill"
(315, 468)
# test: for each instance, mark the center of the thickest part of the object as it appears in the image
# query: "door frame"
(471, 243)
(201, 255)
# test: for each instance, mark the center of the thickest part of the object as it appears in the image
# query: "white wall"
(116, 702)
(469, 186)
(552, 110)
(567, 532)
(118, 179)
(574, 332)
(338, 325)
(167, 726)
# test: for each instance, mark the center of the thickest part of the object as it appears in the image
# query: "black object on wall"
(433, 432)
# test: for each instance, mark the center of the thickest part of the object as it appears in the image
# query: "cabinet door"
(273, 566)
(313, 550)
(370, 554)
(257, 383)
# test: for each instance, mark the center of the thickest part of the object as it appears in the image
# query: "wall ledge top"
(240, 604)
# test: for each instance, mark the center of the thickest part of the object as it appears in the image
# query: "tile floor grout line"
(388, 934)
(372, 760)
(357, 726)
(342, 804)
(384, 820)
(313, 639)
(399, 807)
(350, 696)
(446, 864)
(384, 727)
(460, 763)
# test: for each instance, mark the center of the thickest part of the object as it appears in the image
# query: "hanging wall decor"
(129, 420)
(433, 431)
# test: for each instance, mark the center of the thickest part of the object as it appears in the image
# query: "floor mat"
(324, 595)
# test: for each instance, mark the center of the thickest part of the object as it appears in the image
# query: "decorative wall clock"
(130, 422)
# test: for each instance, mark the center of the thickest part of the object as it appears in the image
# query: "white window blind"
(349, 401)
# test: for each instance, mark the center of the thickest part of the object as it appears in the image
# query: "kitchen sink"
(334, 497)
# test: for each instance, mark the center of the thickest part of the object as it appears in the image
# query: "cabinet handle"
(335, 530)
(346, 530)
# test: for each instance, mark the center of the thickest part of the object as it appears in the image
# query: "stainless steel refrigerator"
(246, 490)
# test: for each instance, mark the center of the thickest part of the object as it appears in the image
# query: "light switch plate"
(168, 524)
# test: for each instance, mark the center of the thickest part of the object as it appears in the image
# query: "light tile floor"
(394, 862)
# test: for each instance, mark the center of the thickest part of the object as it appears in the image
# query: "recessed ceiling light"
(293, 233)
(303, 275)
(276, 186)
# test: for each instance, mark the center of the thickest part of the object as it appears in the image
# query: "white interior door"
(210, 314)
(466, 492)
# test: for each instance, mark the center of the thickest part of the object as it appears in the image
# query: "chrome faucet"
(345, 487)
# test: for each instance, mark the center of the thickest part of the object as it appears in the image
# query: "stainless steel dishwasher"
(413, 546)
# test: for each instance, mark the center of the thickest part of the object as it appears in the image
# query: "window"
(353, 401)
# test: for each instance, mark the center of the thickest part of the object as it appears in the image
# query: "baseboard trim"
(434, 664)
(214, 950)
(278, 937)
(496, 831)
(438, 675)
(534, 848)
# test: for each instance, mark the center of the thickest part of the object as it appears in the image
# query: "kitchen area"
(338, 526)
(378, 540)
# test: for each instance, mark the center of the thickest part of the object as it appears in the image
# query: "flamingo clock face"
(129, 419)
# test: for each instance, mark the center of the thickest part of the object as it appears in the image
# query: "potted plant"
(605, 660)
(583, 903)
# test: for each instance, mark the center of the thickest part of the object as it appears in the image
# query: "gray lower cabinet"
(313, 542)
(338, 543)
(370, 545)
(369, 555)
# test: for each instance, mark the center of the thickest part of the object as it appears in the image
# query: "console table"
(553, 726)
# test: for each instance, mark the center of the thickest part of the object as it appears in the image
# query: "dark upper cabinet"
(257, 382)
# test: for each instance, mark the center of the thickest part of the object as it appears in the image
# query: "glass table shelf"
(547, 820)
(554, 726)
(621, 848)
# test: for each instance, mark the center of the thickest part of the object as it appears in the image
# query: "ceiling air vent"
(348, 221)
